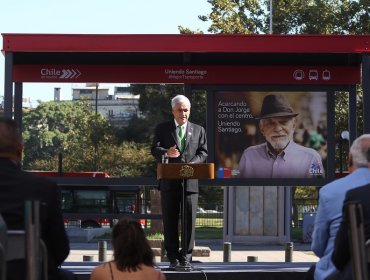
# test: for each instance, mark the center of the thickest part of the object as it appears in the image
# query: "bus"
(95, 206)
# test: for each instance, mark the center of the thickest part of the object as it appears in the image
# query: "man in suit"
(342, 254)
(329, 212)
(17, 186)
(180, 141)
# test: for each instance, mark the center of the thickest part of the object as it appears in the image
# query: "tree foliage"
(289, 17)
(56, 127)
(155, 102)
(86, 141)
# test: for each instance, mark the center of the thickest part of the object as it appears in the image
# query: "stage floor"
(217, 270)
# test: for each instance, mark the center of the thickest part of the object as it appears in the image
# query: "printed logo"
(315, 169)
(65, 74)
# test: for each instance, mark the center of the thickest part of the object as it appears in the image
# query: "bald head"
(10, 140)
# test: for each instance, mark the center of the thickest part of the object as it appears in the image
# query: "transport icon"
(313, 75)
(298, 75)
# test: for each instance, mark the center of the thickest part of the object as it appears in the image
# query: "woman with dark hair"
(132, 256)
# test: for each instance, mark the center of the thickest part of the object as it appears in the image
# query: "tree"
(155, 105)
(289, 17)
(73, 129)
(70, 128)
(129, 159)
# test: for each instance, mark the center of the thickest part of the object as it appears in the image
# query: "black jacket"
(342, 255)
(195, 150)
(17, 186)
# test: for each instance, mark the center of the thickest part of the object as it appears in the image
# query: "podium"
(176, 171)
(184, 171)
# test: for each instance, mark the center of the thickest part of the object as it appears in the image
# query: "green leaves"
(288, 17)
(86, 141)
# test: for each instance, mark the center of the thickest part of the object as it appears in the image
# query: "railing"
(209, 214)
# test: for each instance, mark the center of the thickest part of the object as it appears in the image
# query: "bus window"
(92, 201)
(67, 201)
(125, 202)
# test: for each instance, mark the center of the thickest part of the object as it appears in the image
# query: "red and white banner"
(218, 74)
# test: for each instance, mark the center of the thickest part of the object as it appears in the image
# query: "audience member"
(342, 253)
(17, 186)
(132, 256)
(329, 212)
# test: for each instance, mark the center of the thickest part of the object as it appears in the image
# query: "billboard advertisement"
(270, 134)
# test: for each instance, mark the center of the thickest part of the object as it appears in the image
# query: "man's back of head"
(10, 140)
(17, 186)
(359, 155)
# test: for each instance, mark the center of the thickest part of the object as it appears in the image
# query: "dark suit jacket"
(195, 150)
(17, 186)
(341, 255)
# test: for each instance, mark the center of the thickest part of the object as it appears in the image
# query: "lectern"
(184, 171)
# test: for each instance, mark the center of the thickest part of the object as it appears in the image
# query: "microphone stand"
(183, 266)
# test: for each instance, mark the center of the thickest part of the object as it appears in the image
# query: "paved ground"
(239, 252)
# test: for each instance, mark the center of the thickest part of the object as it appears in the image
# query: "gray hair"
(180, 99)
(360, 150)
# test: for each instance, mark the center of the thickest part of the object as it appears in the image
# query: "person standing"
(17, 186)
(279, 156)
(180, 141)
(132, 256)
(329, 212)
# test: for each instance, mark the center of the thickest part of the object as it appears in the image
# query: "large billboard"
(270, 134)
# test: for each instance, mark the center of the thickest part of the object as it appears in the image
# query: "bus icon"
(313, 75)
(326, 75)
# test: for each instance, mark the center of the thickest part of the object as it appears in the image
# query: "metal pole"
(87, 258)
(366, 91)
(227, 251)
(96, 130)
(8, 86)
(184, 245)
(252, 259)
(340, 156)
(102, 248)
(96, 98)
(18, 94)
(270, 16)
(32, 225)
(289, 252)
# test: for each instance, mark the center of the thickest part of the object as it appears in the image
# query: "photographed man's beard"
(279, 144)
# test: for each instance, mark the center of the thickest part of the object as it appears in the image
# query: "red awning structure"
(185, 43)
(194, 59)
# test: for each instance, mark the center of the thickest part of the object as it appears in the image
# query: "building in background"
(118, 108)
(27, 104)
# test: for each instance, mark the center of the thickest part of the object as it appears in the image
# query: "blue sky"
(95, 17)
